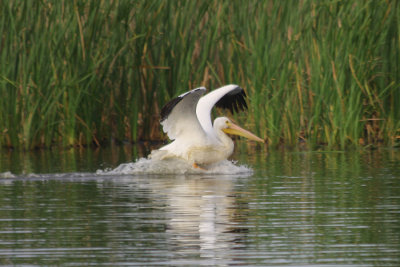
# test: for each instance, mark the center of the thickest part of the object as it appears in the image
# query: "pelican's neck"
(225, 141)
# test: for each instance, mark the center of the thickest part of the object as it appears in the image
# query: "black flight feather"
(167, 109)
(235, 100)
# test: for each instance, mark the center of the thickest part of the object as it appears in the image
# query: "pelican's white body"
(201, 148)
(188, 124)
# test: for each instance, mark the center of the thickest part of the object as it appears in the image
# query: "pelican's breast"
(208, 154)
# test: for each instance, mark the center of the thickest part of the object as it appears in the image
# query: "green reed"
(94, 72)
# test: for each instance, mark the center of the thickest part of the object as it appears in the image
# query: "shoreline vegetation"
(83, 73)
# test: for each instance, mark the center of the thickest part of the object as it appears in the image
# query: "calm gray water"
(297, 208)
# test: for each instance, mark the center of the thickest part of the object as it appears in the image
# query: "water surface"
(296, 208)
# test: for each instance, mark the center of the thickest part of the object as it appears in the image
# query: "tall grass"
(92, 72)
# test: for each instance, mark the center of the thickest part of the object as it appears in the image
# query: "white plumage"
(187, 121)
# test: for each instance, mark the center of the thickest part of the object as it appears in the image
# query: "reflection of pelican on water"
(187, 121)
(201, 214)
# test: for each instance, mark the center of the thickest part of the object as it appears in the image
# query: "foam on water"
(6, 175)
(174, 166)
(144, 166)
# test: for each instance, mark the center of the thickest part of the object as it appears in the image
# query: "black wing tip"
(234, 101)
(167, 108)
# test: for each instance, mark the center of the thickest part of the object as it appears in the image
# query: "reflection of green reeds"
(83, 72)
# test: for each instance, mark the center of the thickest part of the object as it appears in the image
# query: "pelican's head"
(227, 126)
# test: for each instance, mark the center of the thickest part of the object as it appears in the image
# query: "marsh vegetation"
(93, 72)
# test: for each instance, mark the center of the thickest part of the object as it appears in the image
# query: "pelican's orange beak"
(237, 130)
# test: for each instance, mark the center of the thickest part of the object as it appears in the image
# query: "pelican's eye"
(226, 122)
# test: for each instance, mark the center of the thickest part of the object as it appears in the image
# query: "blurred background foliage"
(79, 73)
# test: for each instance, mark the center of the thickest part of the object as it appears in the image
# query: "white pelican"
(187, 121)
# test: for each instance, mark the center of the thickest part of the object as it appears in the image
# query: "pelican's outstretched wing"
(231, 97)
(178, 116)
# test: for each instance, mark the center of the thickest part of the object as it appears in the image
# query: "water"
(293, 208)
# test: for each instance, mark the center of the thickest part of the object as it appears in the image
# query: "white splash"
(6, 175)
(175, 166)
